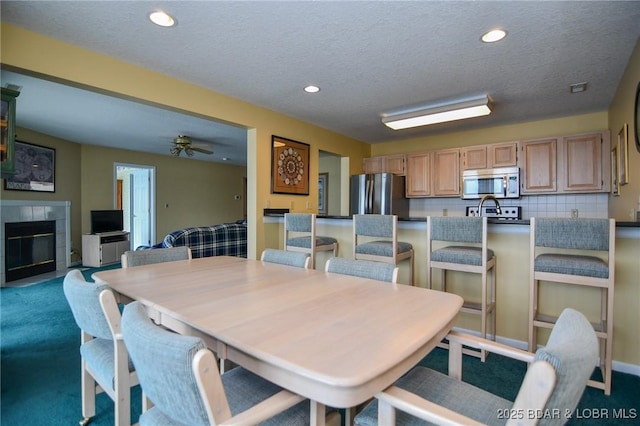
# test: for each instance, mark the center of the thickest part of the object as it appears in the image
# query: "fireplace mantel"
(28, 211)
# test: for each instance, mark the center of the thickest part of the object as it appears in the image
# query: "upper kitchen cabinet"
(446, 172)
(567, 164)
(433, 174)
(538, 166)
(490, 156)
(584, 162)
(385, 164)
(8, 123)
(418, 183)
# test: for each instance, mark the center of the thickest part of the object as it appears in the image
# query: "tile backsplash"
(587, 205)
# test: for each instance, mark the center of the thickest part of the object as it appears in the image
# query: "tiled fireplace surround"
(29, 211)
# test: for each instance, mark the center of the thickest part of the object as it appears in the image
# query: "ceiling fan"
(184, 143)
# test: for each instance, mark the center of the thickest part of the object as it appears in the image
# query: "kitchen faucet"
(489, 197)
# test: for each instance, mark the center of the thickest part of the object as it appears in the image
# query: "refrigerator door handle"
(369, 196)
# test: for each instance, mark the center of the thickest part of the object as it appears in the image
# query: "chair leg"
(88, 389)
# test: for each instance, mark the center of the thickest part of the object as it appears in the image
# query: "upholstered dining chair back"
(145, 257)
(363, 268)
(456, 229)
(572, 351)
(289, 258)
(178, 374)
(105, 365)
(164, 363)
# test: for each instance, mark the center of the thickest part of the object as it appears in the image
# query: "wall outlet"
(574, 212)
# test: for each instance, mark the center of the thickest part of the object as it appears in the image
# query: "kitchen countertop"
(620, 224)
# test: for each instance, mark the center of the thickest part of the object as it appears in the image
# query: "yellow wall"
(197, 192)
(26, 51)
(620, 113)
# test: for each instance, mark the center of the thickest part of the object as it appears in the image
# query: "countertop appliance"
(501, 183)
(380, 193)
(507, 213)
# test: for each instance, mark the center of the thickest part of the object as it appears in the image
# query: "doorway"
(135, 195)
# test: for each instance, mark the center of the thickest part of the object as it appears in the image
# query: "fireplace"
(30, 248)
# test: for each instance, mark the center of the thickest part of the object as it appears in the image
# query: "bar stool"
(299, 223)
(390, 250)
(577, 252)
(470, 254)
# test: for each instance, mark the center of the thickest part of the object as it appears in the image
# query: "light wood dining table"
(335, 339)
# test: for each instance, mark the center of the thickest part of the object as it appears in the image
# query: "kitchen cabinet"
(566, 164)
(372, 165)
(538, 166)
(418, 183)
(433, 173)
(584, 163)
(446, 172)
(8, 128)
(489, 156)
(385, 164)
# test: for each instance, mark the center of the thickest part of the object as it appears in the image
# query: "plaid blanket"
(229, 239)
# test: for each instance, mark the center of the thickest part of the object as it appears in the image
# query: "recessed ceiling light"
(493, 36)
(312, 89)
(162, 19)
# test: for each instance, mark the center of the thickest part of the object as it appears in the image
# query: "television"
(106, 221)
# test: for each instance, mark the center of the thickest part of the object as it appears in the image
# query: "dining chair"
(178, 375)
(460, 244)
(373, 227)
(105, 363)
(553, 384)
(145, 257)
(363, 268)
(300, 232)
(576, 252)
(289, 258)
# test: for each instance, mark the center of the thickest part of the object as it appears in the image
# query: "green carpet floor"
(40, 368)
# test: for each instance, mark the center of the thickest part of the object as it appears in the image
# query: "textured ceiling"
(367, 57)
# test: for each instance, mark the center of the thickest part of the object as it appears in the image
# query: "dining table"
(334, 339)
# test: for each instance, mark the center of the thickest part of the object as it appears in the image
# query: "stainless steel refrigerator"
(380, 193)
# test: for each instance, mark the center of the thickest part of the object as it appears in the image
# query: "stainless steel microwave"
(501, 183)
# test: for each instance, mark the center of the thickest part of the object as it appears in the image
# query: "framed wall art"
(35, 169)
(323, 193)
(623, 155)
(289, 166)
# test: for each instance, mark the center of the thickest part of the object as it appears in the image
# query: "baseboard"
(619, 366)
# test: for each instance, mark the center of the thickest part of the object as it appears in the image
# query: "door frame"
(152, 194)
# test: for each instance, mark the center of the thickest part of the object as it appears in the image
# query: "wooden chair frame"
(536, 388)
(487, 271)
(312, 234)
(395, 258)
(603, 329)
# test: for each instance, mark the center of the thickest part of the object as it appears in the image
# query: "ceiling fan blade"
(202, 150)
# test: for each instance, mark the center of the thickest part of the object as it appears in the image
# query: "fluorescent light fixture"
(459, 110)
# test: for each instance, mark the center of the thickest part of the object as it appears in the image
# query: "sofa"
(227, 239)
